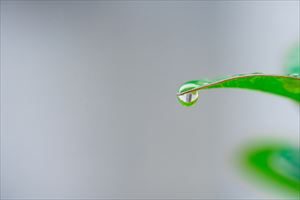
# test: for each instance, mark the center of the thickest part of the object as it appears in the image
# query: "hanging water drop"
(190, 98)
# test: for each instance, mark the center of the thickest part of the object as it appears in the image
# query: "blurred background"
(88, 97)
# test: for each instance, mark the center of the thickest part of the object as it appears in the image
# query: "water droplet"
(294, 75)
(190, 98)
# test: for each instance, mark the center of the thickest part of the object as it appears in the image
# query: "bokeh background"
(88, 97)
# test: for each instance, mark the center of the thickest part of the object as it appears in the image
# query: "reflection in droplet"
(188, 99)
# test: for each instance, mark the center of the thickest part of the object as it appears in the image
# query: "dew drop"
(190, 98)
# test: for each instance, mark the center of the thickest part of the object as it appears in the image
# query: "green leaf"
(282, 85)
(272, 164)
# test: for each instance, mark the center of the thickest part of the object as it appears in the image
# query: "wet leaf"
(283, 85)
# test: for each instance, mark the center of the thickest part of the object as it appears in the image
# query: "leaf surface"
(282, 85)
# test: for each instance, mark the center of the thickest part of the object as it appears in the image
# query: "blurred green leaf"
(272, 164)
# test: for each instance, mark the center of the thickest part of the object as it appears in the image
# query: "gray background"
(88, 106)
